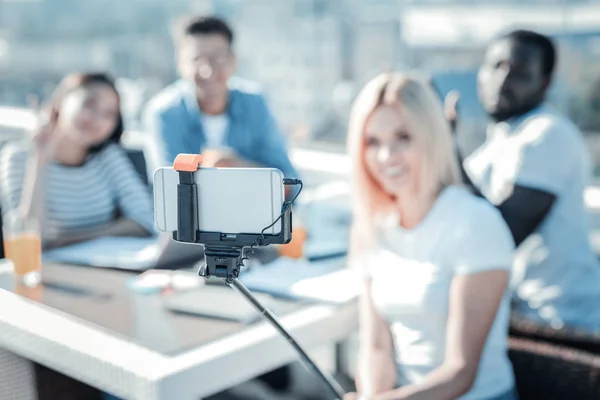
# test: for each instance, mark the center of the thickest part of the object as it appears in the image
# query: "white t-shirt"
(412, 271)
(215, 130)
(556, 276)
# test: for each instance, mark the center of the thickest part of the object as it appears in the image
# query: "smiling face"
(511, 80)
(208, 61)
(401, 149)
(89, 114)
(392, 154)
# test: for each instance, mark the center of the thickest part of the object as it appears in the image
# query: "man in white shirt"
(534, 167)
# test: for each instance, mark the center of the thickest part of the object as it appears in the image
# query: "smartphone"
(230, 200)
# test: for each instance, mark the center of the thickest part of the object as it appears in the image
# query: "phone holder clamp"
(224, 252)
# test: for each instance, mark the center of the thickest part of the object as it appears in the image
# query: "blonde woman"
(436, 259)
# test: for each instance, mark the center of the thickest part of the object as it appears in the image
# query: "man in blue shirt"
(208, 111)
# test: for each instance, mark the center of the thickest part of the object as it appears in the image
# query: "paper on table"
(131, 253)
(325, 281)
(335, 287)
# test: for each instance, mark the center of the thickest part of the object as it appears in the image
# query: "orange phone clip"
(187, 162)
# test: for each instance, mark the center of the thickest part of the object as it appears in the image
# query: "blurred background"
(309, 55)
(310, 58)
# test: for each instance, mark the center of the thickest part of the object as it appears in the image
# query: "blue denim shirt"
(173, 122)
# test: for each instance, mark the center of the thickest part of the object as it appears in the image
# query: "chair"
(17, 377)
(139, 162)
(570, 337)
(551, 372)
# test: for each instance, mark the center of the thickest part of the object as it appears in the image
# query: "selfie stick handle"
(223, 259)
(333, 385)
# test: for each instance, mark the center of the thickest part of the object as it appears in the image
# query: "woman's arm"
(32, 200)
(474, 301)
(376, 369)
(32, 204)
(132, 196)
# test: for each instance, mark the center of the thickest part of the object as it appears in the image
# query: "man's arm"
(466, 180)
(525, 210)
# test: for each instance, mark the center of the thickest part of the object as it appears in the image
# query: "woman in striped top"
(75, 178)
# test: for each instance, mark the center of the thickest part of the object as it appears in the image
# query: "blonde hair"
(422, 111)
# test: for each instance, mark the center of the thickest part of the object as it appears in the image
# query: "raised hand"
(450, 107)
(44, 133)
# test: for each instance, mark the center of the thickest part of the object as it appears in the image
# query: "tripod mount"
(224, 252)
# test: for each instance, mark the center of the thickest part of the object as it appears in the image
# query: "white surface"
(217, 302)
(107, 361)
(248, 199)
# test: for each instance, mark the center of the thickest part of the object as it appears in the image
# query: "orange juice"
(33, 293)
(25, 251)
(294, 249)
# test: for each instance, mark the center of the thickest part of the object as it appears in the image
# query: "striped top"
(82, 197)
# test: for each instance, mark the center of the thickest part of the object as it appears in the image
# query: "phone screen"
(230, 200)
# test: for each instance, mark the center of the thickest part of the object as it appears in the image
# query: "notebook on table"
(129, 253)
(327, 281)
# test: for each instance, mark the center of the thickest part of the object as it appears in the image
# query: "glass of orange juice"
(295, 248)
(23, 246)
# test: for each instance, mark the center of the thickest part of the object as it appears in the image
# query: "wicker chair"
(551, 372)
(21, 379)
(570, 337)
(17, 377)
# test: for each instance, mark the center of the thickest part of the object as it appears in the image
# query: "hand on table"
(45, 137)
(450, 107)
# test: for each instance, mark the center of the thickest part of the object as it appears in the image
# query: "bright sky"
(460, 24)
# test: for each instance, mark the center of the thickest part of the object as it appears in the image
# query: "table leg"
(341, 357)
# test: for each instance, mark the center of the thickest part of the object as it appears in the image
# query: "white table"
(94, 353)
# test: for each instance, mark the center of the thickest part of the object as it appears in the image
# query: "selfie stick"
(224, 252)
